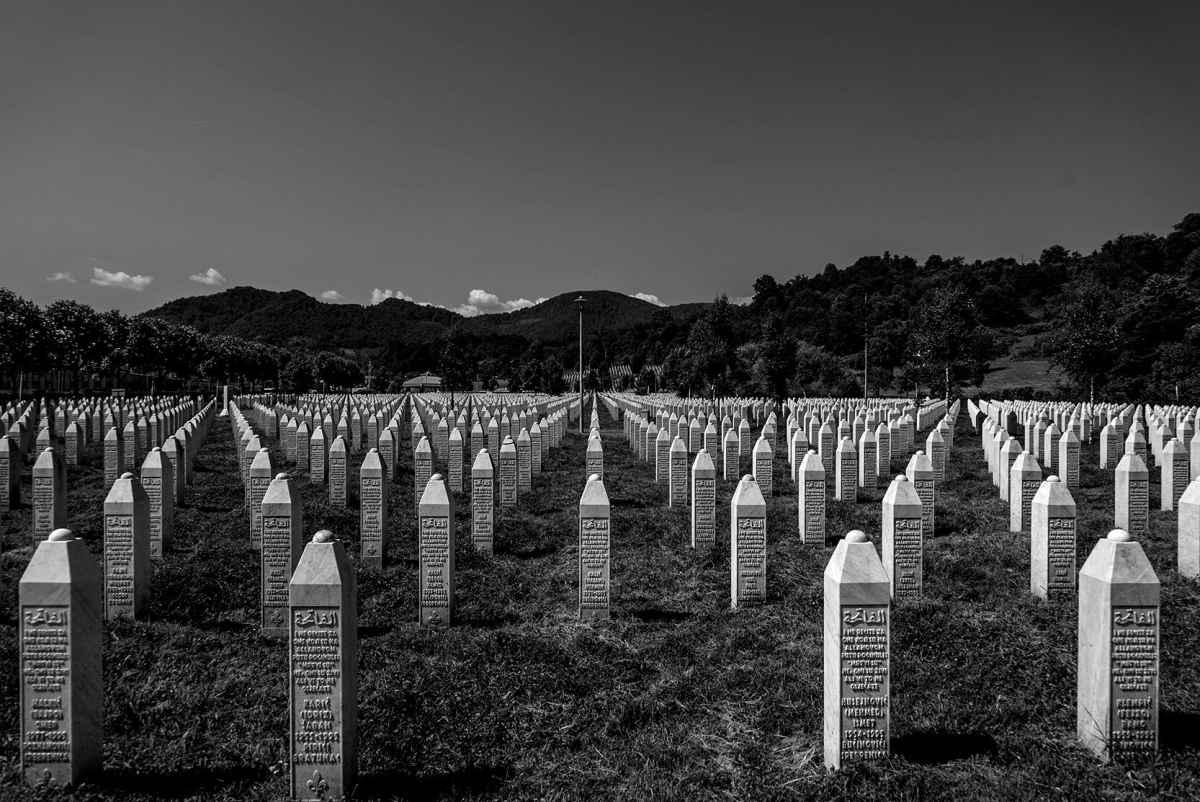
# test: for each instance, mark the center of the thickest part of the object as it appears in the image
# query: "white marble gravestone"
(61, 688)
(323, 671)
(857, 654)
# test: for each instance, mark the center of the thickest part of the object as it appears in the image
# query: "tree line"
(71, 336)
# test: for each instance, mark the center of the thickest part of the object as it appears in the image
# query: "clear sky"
(153, 150)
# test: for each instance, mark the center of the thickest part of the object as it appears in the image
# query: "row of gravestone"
(1047, 509)
(61, 694)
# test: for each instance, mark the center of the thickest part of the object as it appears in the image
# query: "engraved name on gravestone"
(49, 494)
(508, 473)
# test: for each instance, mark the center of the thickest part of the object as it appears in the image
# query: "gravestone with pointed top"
(1132, 497)
(323, 669)
(1189, 531)
(731, 456)
(747, 545)
(1052, 540)
(868, 463)
(281, 544)
(857, 654)
(763, 466)
(114, 456)
(595, 555)
(126, 550)
(810, 490)
(373, 510)
(508, 473)
(903, 541)
(158, 480)
(483, 502)
(1068, 460)
(704, 501)
(60, 638)
(454, 461)
(1024, 480)
(677, 487)
(1174, 468)
(920, 473)
(49, 494)
(339, 473)
(436, 553)
(845, 486)
(1118, 660)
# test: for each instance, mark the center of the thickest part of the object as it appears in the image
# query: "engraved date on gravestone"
(435, 561)
(593, 560)
(45, 657)
(1061, 556)
(118, 563)
(705, 497)
(865, 692)
(907, 549)
(316, 673)
(1134, 724)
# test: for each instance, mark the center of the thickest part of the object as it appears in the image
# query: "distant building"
(423, 383)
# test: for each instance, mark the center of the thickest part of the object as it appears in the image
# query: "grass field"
(676, 698)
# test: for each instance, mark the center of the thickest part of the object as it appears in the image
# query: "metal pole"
(580, 300)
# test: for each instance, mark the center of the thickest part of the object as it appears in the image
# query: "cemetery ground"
(676, 697)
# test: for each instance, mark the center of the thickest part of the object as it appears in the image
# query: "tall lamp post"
(581, 301)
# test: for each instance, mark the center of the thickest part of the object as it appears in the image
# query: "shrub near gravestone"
(594, 551)
(61, 692)
(1118, 661)
(323, 671)
(857, 654)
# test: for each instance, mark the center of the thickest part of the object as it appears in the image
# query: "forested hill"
(1122, 321)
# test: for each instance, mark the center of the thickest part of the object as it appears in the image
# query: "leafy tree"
(937, 344)
(1084, 339)
(774, 360)
(457, 362)
(25, 338)
(81, 337)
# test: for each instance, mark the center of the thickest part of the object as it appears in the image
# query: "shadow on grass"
(186, 784)
(531, 554)
(931, 747)
(455, 784)
(373, 632)
(1179, 731)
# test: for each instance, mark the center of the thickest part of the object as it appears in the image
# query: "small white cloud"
(331, 295)
(742, 300)
(210, 277)
(378, 295)
(482, 302)
(104, 278)
(645, 296)
(61, 277)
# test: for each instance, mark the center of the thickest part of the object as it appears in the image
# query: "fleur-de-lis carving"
(47, 779)
(317, 785)
(276, 618)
